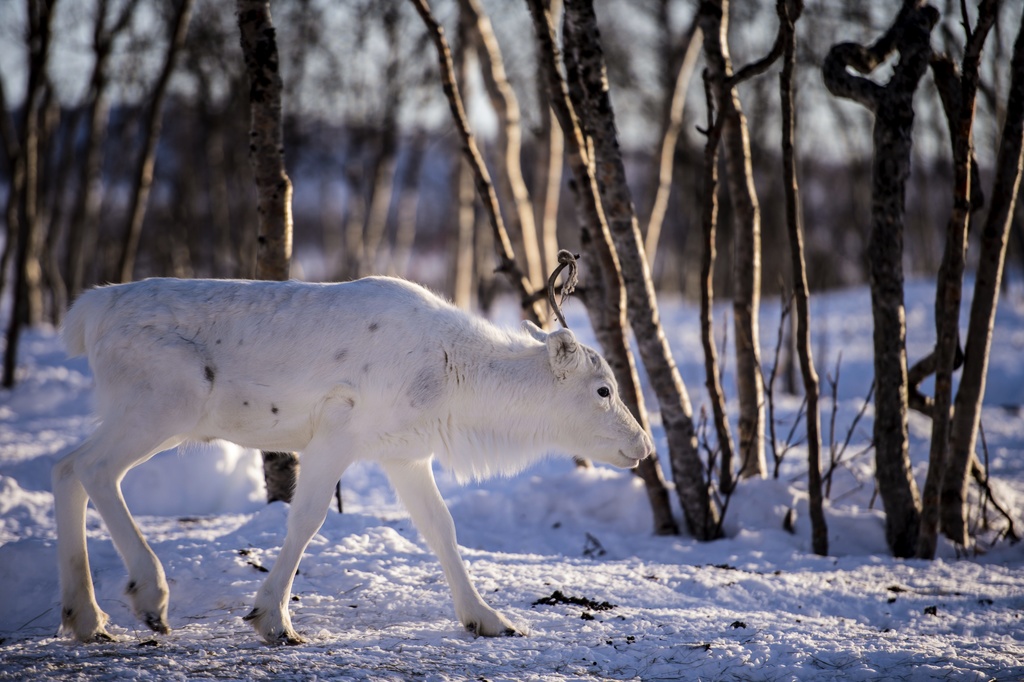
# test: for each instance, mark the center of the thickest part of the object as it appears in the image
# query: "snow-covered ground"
(372, 600)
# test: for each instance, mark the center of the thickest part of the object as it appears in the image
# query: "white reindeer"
(378, 369)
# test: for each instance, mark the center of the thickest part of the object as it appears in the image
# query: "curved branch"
(484, 186)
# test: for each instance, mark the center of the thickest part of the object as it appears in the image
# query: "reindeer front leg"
(415, 485)
(320, 467)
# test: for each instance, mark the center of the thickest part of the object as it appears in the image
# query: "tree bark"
(405, 215)
(511, 186)
(585, 64)
(382, 183)
(273, 187)
(994, 237)
(143, 175)
(27, 303)
(531, 305)
(714, 21)
(789, 12)
(892, 105)
(462, 182)
(86, 210)
(549, 167)
(604, 293)
(709, 221)
(673, 125)
(950, 284)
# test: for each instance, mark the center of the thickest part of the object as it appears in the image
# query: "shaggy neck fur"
(492, 426)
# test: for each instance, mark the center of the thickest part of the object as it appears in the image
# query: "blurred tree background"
(125, 131)
(373, 154)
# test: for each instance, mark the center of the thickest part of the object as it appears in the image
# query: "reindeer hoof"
(287, 637)
(101, 637)
(480, 630)
(156, 623)
(290, 638)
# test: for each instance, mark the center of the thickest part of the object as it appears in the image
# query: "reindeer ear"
(534, 331)
(563, 352)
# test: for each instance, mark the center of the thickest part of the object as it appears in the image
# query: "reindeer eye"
(604, 392)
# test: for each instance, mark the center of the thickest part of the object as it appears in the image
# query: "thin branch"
(484, 186)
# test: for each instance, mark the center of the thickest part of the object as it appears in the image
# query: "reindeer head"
(589, 418)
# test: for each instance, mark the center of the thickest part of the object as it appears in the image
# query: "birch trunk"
(23, 198)
(462, 182)
(789, 12)
(532, 307)
(585, 64)
(994, 237)
(950, 284)
(604, 293)
(549, 167)
(511, 187)
(892, 106)
(273, 187)
(143, 175)
(714, 22)
(672, 126)
(712, 378)
(85, 212)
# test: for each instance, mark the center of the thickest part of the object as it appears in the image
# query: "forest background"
(128, 156)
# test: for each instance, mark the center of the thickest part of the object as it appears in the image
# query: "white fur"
(377, 369)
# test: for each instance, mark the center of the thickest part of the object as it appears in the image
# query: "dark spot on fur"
(246, 403)
(374, 326)
(340, 355)
(273, 408)
(132, 588)
(208, 371)
(351, 402)
(366, 368)
(425, 388)
(68, 613)
(218, 342)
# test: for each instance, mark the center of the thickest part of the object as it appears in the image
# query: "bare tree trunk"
(585, 64)
(604, 295)
(382, 184)
(85, 213)
(143, 177)
(465, 199)
(511, 186)
(714, 21)
(892, 105)
(950, 284)
(789, 12)
(550, 162)
(673, 125)
(60, 154)
(405, 215)
(994, 236)
(531, 304)
(464, 251)
(16, 179)
(354, 222)
(224, 259)
(382, 191)
(27, 302)
(709, 221)
(273, 187)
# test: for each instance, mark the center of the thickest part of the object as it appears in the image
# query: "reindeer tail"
(81, 319)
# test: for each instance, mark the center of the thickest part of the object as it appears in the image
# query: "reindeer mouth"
(631, 461)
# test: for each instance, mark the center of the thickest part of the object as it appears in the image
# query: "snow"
(373, 603)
